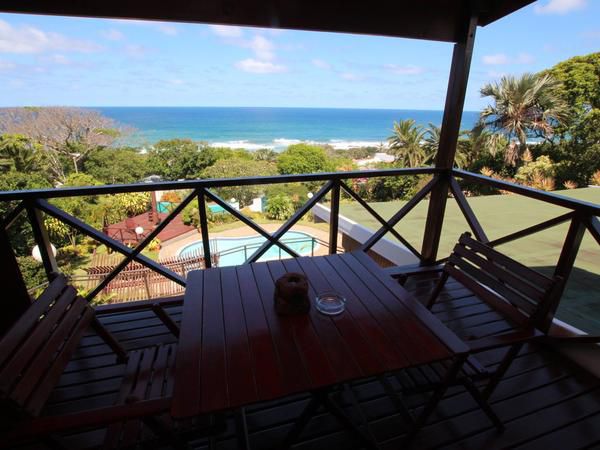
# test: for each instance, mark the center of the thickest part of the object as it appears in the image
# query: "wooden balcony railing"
(34, 203)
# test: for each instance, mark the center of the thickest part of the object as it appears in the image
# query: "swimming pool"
(234, 251)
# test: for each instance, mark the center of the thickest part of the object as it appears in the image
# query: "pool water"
(216, 208)
(234, 251)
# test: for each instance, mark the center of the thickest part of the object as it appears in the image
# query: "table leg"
(396, 399)
(242, 429)
(343, 418)
(435, 398)
(321, 398)
(307, 414)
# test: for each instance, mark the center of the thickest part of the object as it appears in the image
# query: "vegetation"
(303, 158)
(523, 106)
(405, 143)
(542, 130)
(279, 207)
(239, 167)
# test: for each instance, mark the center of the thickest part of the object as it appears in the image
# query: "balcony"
(549, 397)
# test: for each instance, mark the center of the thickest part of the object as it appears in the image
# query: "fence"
(136, 281)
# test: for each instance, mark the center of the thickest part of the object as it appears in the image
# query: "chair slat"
(496, 302)
(145, 377)
(481, 276)
(528, 273)
(503, 274)
(113, 431)
(41, 394)
(32, 344)
(18, 332)
(132, 428)
(39, 366)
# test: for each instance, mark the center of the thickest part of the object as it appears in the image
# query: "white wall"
(390, 250)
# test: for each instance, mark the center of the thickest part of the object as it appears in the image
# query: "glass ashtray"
(330, 303)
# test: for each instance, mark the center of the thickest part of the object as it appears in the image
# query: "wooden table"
(235, 350)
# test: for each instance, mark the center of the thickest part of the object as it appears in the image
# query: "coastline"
(264, 127)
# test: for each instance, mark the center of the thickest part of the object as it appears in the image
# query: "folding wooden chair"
(525, 297)
(34, 353)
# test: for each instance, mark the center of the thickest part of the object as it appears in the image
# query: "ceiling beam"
(437, 20)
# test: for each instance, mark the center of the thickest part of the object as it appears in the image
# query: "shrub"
(154, 245)
(279, 207)
(538, 173)
(32, 271)
(596, 178)
(570, 185)
(171, 197)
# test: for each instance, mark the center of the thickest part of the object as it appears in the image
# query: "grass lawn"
(504, 214)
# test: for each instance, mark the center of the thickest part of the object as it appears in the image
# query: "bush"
(279, 207)
(190, 215)
(32, 271)
(383, 189)
(538, 174)
(154, 245)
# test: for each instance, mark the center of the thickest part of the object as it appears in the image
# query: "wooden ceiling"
(440, 20)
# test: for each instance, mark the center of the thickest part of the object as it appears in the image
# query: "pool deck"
(172, 247)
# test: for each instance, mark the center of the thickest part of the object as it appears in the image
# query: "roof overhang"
(439, 20)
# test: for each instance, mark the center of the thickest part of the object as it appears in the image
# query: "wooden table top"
(235, 350)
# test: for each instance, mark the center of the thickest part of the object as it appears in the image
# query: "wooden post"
(42, 240)
(570, 248)
(14, 292)
(204, 228)
(334, 217)
(147, 284)
(455, 99)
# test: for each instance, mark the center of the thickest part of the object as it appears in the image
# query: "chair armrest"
(407, 271)
(166, 319)
(580, 339)
(504, 340)
(94, 417)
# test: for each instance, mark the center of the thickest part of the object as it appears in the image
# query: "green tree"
(117, 166)
(383, 189)
(20, 153)
(580, 81)
(527, 105)
(239, 167)
(265, 154)
(432, 144)
(279, 207)
(405, 143)
(114, 208)
(303, 158)
(67, 135)
(577, 153)
(82, 207)
(178, 159)
(20, 233)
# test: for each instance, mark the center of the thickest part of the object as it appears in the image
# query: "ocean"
(276, 128)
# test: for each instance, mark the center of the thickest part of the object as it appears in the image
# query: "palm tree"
(526, 105)
(405, 143)
(432, 144)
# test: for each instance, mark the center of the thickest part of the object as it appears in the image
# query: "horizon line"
(225, 106)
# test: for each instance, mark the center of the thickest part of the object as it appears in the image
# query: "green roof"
(500, 215)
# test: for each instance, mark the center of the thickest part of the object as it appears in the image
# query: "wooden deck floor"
(545, 401)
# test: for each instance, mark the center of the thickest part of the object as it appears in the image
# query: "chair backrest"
(522, 294)
(36, 349)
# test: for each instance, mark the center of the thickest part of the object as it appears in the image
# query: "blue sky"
(99, 62)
